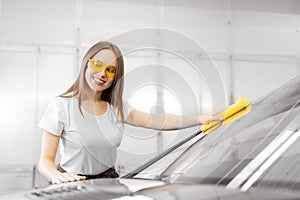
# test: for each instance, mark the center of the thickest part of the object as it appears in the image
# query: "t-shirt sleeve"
(54, 117)
(127, 108)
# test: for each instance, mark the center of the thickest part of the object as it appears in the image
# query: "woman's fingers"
(216, 118)
(55, 180)
(76, 177)
(61, 178)
(205, 119)
(66, 177)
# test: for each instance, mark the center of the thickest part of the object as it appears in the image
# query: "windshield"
(253, 151)
(259, 149)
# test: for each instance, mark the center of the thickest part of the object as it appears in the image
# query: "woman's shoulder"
(58, 100)
(61, 101)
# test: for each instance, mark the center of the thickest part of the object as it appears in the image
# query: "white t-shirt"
(88, 142)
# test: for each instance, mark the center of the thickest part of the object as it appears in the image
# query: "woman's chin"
(99, 88)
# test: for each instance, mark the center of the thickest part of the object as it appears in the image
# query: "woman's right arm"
(46, 164)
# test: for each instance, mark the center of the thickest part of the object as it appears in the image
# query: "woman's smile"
(99, 81)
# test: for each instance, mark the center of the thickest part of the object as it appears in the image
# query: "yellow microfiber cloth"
(235, 111)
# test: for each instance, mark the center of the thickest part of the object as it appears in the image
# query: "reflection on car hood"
(217, 192)
(123, 189)
(90, 189)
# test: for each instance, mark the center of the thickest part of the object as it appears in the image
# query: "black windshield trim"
(160, 156)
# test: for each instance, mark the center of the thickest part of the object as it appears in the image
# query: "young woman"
(87, 120)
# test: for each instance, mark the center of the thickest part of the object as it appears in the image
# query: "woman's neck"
(92, 96)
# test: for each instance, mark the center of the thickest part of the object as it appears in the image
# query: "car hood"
(90, 189)
(145, 189)
(213, 192)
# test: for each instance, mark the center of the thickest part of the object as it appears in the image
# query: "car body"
(255, 157)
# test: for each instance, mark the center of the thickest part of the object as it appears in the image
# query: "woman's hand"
(205, 119)
(66, 177)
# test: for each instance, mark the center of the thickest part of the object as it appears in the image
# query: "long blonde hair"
(113, 94)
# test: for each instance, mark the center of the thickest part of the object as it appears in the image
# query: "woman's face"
(100, 71)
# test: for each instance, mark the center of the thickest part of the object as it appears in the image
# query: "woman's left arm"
(168, 121)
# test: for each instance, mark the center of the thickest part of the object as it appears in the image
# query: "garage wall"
(254, 45)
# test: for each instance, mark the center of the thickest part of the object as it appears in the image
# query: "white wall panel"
(264, 33)
(208, 27)
(254, 81)
(36, 22)
(56, 73)
(224, 70)
(103, 19)
(18, 83)
(275, 6)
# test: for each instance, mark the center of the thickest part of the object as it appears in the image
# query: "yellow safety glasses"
(98, 66)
